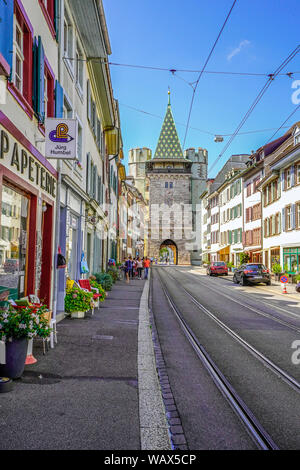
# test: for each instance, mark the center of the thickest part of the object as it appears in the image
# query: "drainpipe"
(58, 192)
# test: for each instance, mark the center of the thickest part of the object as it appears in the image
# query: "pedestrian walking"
(128, 268)
(134, 268)
(146, 266)
(139, 265)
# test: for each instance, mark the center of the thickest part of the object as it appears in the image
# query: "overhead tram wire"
(282, 125)
(255, 102)
(201, 130)
(213, 72)
(201, 73)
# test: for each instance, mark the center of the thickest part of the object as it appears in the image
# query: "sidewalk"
(275, 288)
(98, 389)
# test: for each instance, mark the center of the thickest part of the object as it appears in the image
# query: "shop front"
(27, 199)
(71, 237)
(255, 256)
(291, 259)
(223, 254)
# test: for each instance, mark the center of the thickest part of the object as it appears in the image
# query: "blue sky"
(175, 34)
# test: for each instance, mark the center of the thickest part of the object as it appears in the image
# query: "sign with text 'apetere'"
(61, 138)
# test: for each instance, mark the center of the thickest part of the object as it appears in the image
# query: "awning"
(224, 251)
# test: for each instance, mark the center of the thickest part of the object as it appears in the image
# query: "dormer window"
(297, 137)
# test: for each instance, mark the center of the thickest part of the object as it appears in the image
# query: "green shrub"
(230, 264)
(113, 271)
(244, 258)
(98, 286)
(297, 278)
(276, 268)
(105, 280)
(77, 300)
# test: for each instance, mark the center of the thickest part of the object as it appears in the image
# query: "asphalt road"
(269, 323)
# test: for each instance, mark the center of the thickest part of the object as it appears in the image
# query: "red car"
(216, 268)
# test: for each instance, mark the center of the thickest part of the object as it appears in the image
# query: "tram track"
(252, 424)
(250, 307)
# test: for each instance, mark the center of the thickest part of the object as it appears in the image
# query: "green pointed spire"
(168, 145)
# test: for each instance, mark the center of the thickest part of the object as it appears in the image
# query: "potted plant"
(113, 272)
(277, 270)
(77, 301)
(105, 280)
(297, 279)
(101, 291)
(230, 266)
(17, 326)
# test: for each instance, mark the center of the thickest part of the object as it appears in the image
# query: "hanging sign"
(61, 138)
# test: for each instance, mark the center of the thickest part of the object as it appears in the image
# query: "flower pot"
(77, 314)
(15, 352)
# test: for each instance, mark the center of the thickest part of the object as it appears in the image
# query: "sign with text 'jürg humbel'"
(19, 160)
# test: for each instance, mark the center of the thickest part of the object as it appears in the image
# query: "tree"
(244, 258)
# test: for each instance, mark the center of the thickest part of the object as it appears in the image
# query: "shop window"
(291, 259)
(13, 250)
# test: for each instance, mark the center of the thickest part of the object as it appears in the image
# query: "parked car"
(216, 268)
(252, 273)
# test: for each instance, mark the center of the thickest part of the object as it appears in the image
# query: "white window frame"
(69, 42)
(18, 53)
(288, 178)
(79, 150)
(79, 72)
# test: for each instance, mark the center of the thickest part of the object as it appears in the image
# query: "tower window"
(171, 185)
(166, 185)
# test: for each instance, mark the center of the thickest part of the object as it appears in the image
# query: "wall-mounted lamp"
(44, 207)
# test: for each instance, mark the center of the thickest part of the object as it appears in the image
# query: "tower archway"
(168, 252)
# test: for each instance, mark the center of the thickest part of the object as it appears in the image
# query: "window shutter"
(251, 237)
(88, 101)
(88, 178)
(56, 18)
(39, 68)
(244, 238)
(278, 188)
(283, 180)
(283, 220)
(229, 237)
(95, 182)
(235, 236)
(293, 211)
(59, 100)
(7, 31)
(273, 225)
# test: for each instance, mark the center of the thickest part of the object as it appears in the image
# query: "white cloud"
(238, 49)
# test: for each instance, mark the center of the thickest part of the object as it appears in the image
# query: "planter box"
(77, 314)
